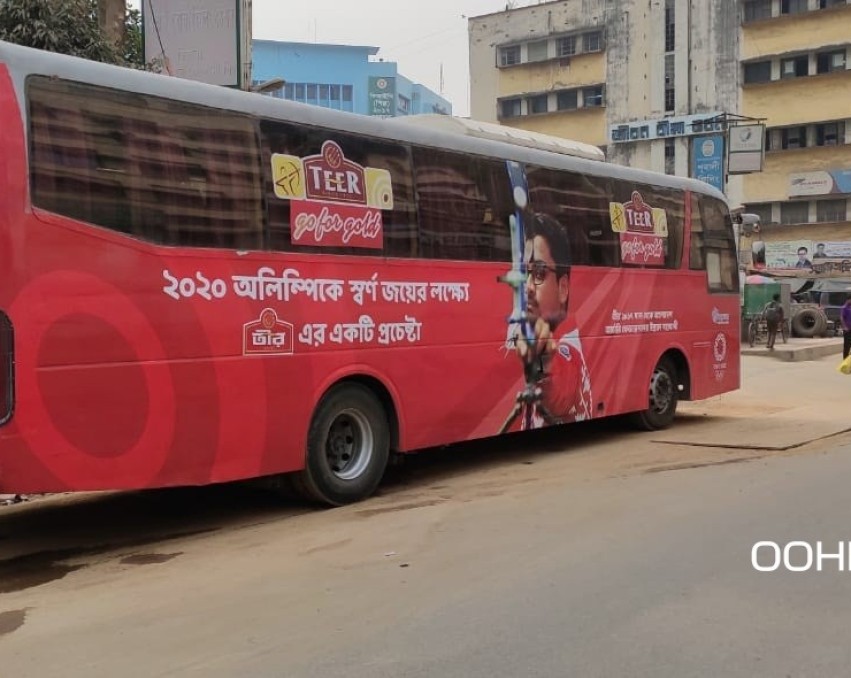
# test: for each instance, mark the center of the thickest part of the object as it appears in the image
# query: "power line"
(159, 37)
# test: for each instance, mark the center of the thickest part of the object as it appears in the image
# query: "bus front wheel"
(348, 446)
(662, 398)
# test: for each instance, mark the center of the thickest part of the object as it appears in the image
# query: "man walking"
(773, 314)
(845, 319)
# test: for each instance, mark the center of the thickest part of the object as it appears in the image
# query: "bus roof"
(467, 136)
(511, 135)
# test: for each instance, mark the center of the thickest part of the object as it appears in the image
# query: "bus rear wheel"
(348, 446)
(663, 396)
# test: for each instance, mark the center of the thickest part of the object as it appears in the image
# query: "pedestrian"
(773, 314)
(845, 319)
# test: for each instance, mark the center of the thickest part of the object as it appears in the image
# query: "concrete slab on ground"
(779, 407)
(797, 350)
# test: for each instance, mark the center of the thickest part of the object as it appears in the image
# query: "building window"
(537, 104)
(536, 51)
(670, 92)
(567, 100)
(338, 97)
(793, 137)
(796, 212)
(566, 46)
(404, 105)
(670, 157)
(759, 71)
(510, 108)
(670, 26)
(592, 42)
(325, 95)
(830, 134)
(592, 96)
(831, 210)
(795, 67)
(348, 98)
(755, 10)
(793, 6)
(827, 62)
(824, 4)
(509, 56)
(762, 210)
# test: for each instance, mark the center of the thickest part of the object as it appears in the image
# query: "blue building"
(342, 77)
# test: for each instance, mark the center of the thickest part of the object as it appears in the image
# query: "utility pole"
(111, 15)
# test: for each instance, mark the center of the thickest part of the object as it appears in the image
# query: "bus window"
(464, 206)
(160, 170)
(581, 204)
(399, 227)
(713, 247)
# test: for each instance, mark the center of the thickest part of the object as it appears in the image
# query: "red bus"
(201, 285)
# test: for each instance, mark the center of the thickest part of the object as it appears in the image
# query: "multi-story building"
(796, 73)
(344, 77)
(651, 81)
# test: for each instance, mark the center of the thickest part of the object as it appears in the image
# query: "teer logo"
(267, 336)
(330, 176)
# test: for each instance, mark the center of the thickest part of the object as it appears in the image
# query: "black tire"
(751, 333)
(808, 323)
(663, 396)
(348, 446)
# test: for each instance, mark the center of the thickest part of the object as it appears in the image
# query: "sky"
(419, 35)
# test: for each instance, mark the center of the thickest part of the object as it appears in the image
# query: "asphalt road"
(590, 552)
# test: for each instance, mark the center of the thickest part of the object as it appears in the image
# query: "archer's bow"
(516, 277)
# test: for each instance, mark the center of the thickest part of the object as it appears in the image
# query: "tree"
(70, 27)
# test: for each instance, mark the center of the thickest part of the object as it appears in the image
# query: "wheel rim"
(661, 391)
(349, 444)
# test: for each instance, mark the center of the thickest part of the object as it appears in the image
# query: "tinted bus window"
(713, 247)
(382, 183)
(581, 204)
(164, 171)
(464, 206)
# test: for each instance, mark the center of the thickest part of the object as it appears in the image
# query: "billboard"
(746, 144)
(817, 258)
(825, 182)
(665, 128)
(195, 39)
(382, 96)
(707, 160)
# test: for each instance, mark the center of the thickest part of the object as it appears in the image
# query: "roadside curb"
(796, 353)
